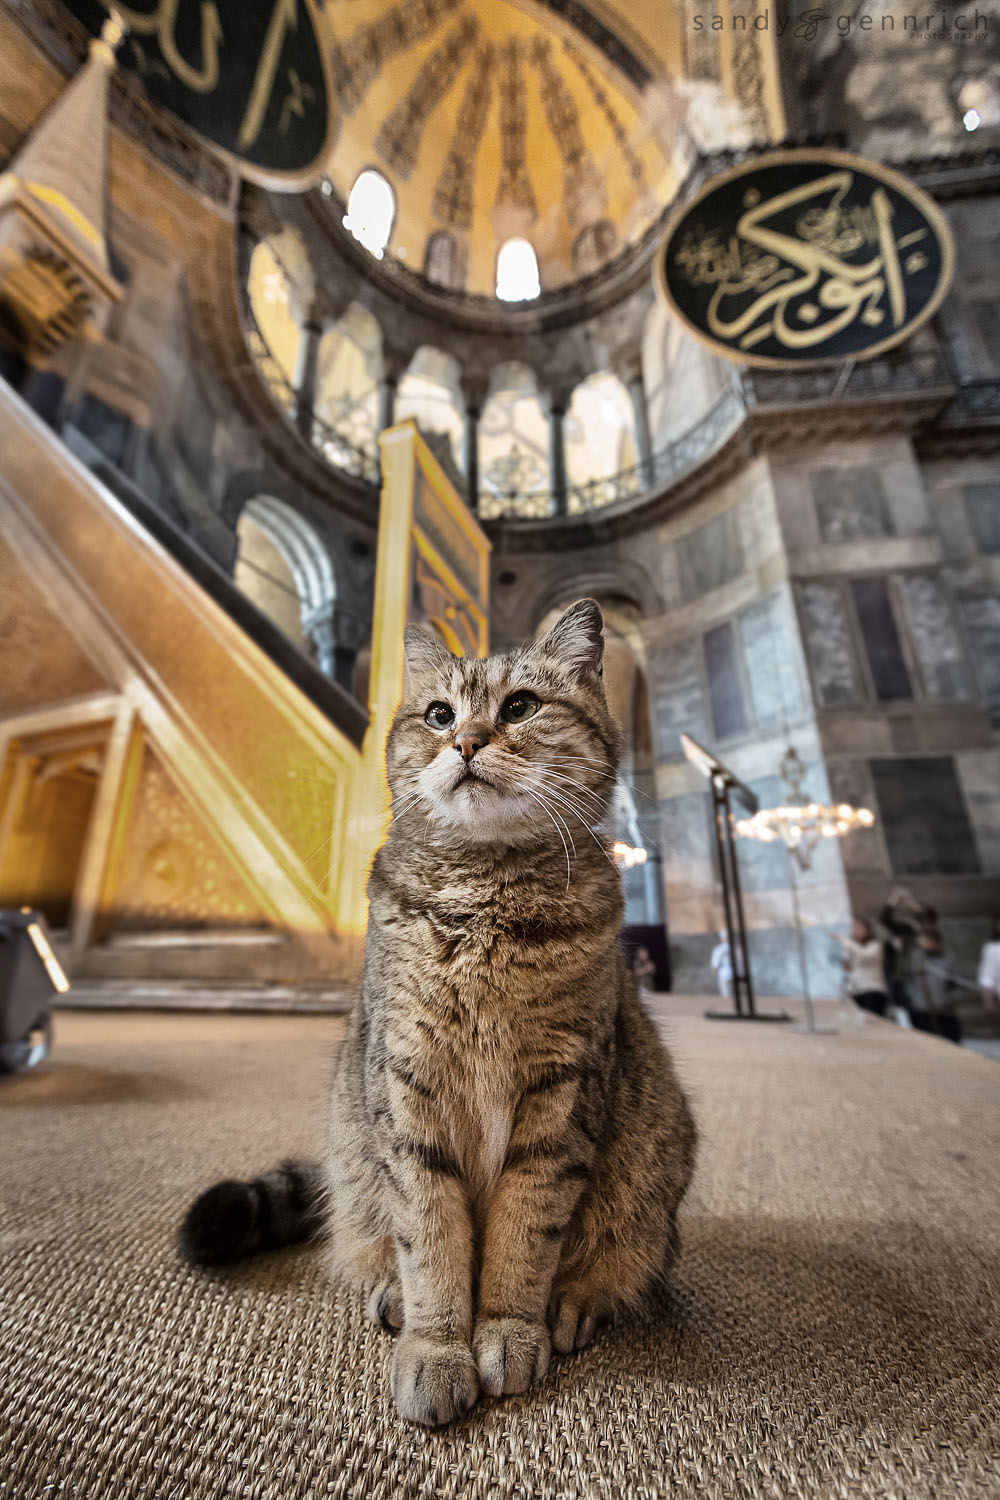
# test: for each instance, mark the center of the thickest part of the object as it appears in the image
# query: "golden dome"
(493, 119)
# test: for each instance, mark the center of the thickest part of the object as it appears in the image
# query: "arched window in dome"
(517, 271)
(371, 209)
(443, 260)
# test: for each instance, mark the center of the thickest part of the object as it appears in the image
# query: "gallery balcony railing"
(975, 401)
(910, 373)
(339, 450)
(663, 468)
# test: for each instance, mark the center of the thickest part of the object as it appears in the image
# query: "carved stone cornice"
(556, 309)
(969, 426)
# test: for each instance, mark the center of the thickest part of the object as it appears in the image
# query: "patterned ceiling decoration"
(556, 119)
(454, 195)
(398, 142)
(356, 64)
(636, 170)
(515, 181)
(585, 196)
(610, 43)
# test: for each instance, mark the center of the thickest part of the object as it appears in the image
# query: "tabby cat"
(507, 1142)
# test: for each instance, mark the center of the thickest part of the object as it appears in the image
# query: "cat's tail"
(233, 1219)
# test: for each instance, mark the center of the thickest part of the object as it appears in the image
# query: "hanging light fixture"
(626, 857)
(800, 825)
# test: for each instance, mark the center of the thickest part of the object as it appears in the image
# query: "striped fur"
(507, 1143)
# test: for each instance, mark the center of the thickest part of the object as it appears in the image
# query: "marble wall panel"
(982, 505)
(924, 818)
(851, 504)
(979, 775)
(710, 556)
(850, 781)
(981, 624)
(725, 689)
(678, 696)
(828, 642)
(776, 968)
(771, 651)
(943, 666)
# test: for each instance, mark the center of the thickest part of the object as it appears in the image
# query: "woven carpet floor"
(833, 1331)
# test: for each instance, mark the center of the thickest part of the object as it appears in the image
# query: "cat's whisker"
(558, 830)
(561, 800)
(567, 783)
(609, 775)
(570, 783)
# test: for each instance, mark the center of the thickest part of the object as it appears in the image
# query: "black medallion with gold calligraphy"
(805, 257)
(248, 75)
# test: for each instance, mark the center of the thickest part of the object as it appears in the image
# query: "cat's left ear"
(424, 651)
(577, 638)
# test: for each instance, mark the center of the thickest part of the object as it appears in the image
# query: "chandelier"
(800, 825)
(626, 856)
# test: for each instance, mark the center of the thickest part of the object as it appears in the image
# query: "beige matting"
(834, 1329)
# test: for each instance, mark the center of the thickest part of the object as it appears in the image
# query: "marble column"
(319, 627)
(636, 387)
(306, 377)
(474, 391)
(558, 406)
(471, 436)
(387, 399)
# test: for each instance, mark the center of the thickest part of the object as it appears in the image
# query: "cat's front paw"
(432, 1381)
(385, 1305)
(511, 1354)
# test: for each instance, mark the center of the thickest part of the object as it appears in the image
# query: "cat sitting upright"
(507, 1142)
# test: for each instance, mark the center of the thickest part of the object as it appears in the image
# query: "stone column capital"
(475, 391)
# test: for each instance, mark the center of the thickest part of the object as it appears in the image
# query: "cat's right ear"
(577, 638)
(424, 652)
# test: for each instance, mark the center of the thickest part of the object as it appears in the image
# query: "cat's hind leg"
(377, 1269)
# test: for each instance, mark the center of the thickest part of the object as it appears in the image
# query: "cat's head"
(509, 750)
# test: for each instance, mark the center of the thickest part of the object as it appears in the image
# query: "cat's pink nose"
(468, 744)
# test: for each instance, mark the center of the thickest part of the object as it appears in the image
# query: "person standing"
(863, 967)
(722, 963)
(935, 979)
(904, 918)
(989, 971)
(644, 969)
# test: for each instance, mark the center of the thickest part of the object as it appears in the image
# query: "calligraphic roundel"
(804, 258)
(248, 77)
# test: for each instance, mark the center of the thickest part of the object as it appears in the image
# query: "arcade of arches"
(809, 558)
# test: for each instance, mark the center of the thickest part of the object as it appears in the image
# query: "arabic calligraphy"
(250, 79)
(806, 256)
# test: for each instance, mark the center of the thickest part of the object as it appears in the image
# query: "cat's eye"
(520, 706)
(439, 716)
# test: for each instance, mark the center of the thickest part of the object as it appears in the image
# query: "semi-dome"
(496, 121)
